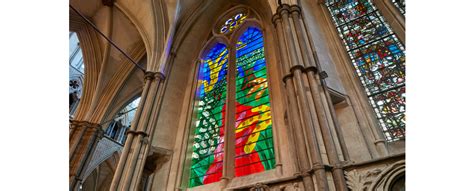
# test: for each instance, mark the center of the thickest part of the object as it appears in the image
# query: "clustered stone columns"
(300, 70)
(83, 139)
(132, 160)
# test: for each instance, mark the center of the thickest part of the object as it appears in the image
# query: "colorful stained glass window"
(378, 58)
(400, 4)
(253, 126)
(208, 145)
(233, 23)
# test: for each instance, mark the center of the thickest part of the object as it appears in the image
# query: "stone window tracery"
(233, 22)
(251, 144)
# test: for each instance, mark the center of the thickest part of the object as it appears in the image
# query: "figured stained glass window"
(233, 23)
(400, 4)
(379, 60)
(208, 145)
(253, 125)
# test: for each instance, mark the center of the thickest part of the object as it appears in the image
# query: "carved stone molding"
(154, 75)
(295, 186)
(260, 187)
(360, 181)
(76, 124)
(376, 179)
(149, 75)
(387, 176)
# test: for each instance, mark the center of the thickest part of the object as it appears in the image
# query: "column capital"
(149, 75)
(297, 67)
(85, 124)
(295, 9)
(317, 167)
(276, 17)
(160, 75)
(144, 134)
(311, 69)
(303, 174)
(283, 8)
(73, 124)
(91, 125)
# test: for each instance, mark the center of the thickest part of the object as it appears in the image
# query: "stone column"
(322, 101)
(83, 139)
(308, 153)
(128, 173)
(301, 67)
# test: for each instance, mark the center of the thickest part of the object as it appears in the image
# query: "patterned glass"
(378, 58)
(208, 145)
(253, 127)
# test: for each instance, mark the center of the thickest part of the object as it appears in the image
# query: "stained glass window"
(233, 23)
(208, 146)
(400, 4)
(378, 58)
(253, 149)
(253, 127)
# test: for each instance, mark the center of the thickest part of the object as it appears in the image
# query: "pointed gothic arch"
(256, 138)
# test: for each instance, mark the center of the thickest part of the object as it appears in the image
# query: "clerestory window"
(378, 58)
(76, 72)
(232, 106)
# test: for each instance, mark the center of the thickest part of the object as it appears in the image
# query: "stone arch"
(153, 34)
(192, 36)
(92, 55)
(388, 176)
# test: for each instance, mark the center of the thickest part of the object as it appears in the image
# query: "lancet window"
(378, 58)
(251, 144)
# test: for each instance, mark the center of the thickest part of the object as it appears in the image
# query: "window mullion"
(229, 137)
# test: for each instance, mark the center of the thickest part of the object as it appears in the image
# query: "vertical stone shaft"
(87, 135)
(301, 155)
(130, 137)
(296, 85)
(150, 131)
(295, 126)
(321, 101)
(75, 134)
(140, 137)
(229, 135)
(324, 118)
(305, 139)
